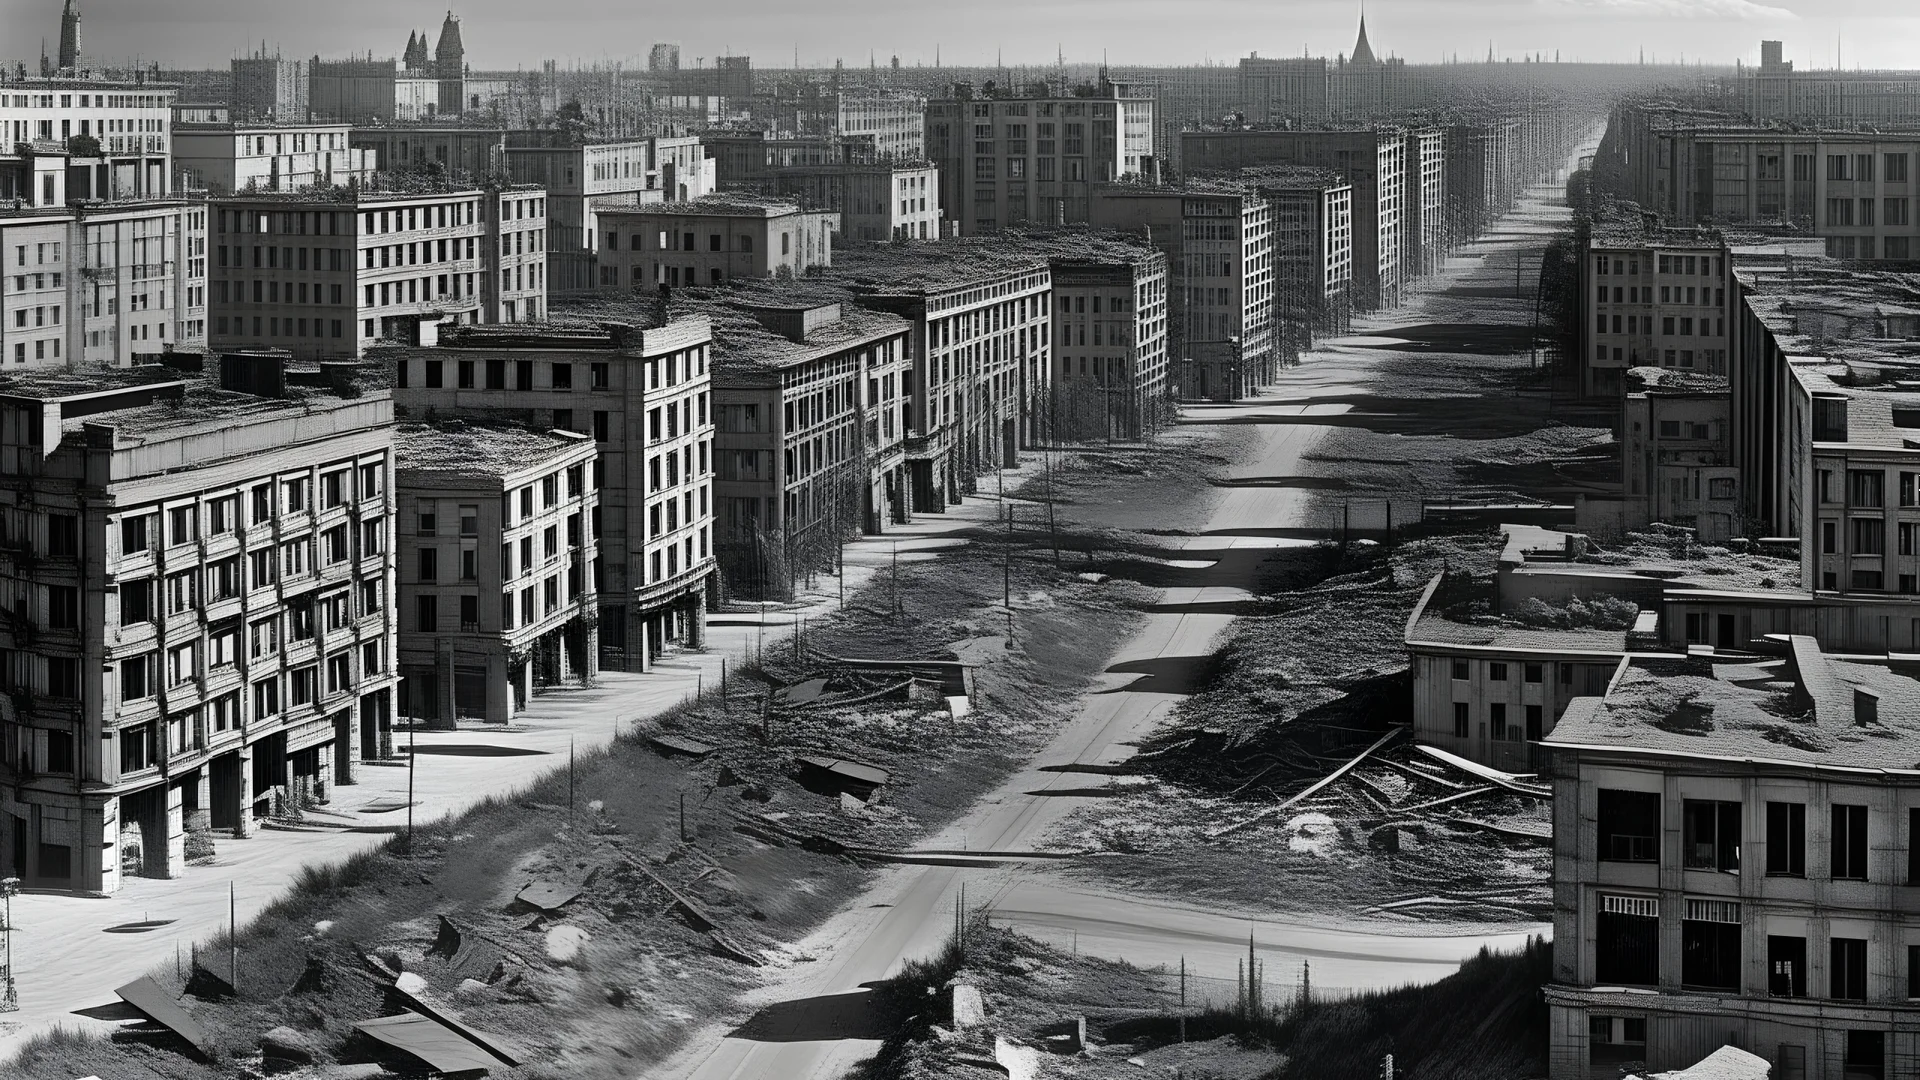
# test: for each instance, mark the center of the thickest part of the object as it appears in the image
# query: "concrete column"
(443, 688)
(346, 745)
(500, 677)
(202, 782)
(243, 791)
(639, 656)
(97, 858)
(592, 647)
(175, 825)
(696, 623)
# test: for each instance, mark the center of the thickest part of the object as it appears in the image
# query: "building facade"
(222, 159)
(710, 241)
(1011, 161)
(646, 399)
(1660, 300)
(201, 611)
(1374, 162)
(325, 275)
(809, 437)
(582, 180)
(1111, 371)
(1736, 888)
(874, 202)
(495, 558)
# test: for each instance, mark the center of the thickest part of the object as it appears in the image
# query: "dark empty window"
(1866, 1055)
(1787, 839)
(1627, 941)
(1849, 840)
(1786, 966)
(563, 376)
(1712, 835)
(1461, 721)
(1848, 969)
(1460, 670)
(1629, 826)
(427, 614)
(1710, 945)
(434, 378)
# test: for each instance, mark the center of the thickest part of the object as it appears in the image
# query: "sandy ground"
(902, 915)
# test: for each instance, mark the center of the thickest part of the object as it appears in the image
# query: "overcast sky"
(517, 33)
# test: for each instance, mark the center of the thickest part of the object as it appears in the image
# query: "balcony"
(658, 592)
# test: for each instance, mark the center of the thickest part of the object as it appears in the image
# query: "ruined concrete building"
(199, 609)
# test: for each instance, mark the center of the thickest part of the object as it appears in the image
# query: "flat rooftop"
(154, 402)
(478, 451)
(930, 266)
(1802, 708)
(741, 342)
(732, 204)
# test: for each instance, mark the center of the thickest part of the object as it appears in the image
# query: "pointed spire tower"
(1362, 52)
(70, 36)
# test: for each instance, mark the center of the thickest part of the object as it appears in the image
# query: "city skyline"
(203, 33)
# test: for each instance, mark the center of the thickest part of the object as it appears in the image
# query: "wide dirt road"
(813, 1021)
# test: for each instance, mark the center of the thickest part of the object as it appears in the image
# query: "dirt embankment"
(1034, 999)
(612, 981)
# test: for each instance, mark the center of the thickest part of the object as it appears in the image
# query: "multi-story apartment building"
(1734, 857)
(981, 351)
(583, 180)
(1110, 300)
(646, 398)
(1185, 98)
(1854, 189)
(515, 252)
(1676, 462)
(1008, 161)
(710, 241)
(884, 201)
(1484, 174)
(495, 554)
(1424, 234)
(99, 283)
(1653, 297)
(810, 431)
(125, 145)
(1219, 240)
(199, 608)
(326, 274)
(222, 159)
(1312, 252)
(1373, 161)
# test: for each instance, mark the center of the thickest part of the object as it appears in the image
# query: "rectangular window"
(1710, 945)
(1847, 969)
(1786, 966)
(1866, 1056)
(1849, 842)
(1711, 832)
(1629, 826)
(1627, 941)
(1461, 719)
(1787, 839)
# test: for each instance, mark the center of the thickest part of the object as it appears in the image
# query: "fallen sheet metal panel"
(680, 744)
(431, 1007)
(855, 771)
(548, 895)
(160, 1007)
(440, 1047)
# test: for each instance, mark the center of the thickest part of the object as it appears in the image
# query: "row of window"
(143, 676)
(1710, 834)
(142, 746)
(1669, 294)
(140, 529)
(676, 367)
(1670, 325)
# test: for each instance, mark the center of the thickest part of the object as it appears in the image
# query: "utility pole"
(233, 930)
(9, 992)
(1006, 574)
(413, 738)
